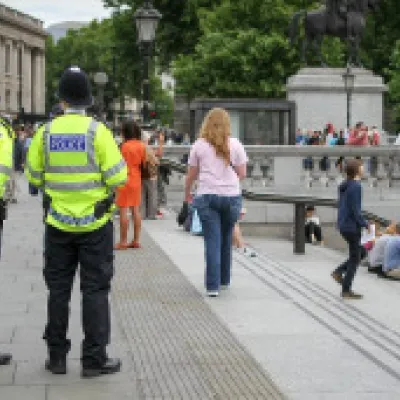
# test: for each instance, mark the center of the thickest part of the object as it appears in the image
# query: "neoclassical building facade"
(22, 63)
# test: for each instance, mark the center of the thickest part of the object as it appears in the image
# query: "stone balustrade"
(312, 167)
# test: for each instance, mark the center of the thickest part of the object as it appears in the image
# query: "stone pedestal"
(321, 98)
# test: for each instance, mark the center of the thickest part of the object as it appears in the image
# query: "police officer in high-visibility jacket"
(6, 150)
(76, 162)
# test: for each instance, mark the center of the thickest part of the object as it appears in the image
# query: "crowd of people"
(359, 135)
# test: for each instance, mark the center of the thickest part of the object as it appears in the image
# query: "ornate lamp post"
(147, 19)
(100, 79)
(349, 79)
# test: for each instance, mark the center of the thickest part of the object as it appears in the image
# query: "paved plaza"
(281, 331)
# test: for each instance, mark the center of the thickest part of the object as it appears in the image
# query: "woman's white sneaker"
(212, 293)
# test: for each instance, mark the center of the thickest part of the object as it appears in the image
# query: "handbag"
(196, 227)
(148, 168)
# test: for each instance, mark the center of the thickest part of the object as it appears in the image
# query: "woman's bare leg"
(123, 225)
(137, 223)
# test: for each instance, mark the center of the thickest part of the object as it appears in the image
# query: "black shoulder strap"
(7, 127)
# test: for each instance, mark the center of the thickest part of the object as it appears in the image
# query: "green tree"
(94, 48)
(394, 84)
(179, 29)
(243, 51)
(383, 30)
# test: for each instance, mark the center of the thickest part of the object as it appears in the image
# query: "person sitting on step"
(377, 253)
(313, 226)
(391, 260)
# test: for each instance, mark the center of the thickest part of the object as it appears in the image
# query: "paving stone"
(23, 392)
(6, 334)
(11, 308)
(93, 390)
(7, 376)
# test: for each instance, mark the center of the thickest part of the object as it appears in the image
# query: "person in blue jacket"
(350, 222)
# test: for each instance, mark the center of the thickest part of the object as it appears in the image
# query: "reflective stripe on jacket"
(78, 164)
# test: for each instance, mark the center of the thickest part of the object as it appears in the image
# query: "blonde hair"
(216, 130)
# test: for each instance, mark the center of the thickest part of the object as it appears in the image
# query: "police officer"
(76, 162)
(6, 150)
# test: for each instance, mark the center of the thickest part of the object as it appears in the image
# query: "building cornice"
(22, 21)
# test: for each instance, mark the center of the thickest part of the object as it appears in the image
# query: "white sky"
(52, 11)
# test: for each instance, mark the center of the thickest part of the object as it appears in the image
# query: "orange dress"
(134, 153)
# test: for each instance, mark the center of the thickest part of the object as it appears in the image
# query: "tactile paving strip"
(181, 350)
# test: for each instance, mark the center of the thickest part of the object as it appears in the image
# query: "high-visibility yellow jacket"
(6, 157)
(78, 164)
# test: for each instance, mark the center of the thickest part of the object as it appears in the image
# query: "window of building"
(8, 59)
(8, 100)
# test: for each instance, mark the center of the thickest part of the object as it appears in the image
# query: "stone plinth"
(321, 98)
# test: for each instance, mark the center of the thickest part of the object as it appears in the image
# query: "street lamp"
(100, 79)
(147, 19)
(349, 79)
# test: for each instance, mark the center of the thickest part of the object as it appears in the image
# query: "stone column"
(27, 81)
(2, 76)
(39, 81)
(33, 81)
(42, 72)
(14, 78)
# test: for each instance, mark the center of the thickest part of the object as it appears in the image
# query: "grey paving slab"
(23, 392)
(6, 334)
(7, 375)
(11, 308)
(345, 396)
(94, 391)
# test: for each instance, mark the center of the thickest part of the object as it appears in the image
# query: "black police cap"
(74, 88)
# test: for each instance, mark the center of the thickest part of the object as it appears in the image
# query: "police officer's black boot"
(57, 364)
(111, 366)
(5, 359)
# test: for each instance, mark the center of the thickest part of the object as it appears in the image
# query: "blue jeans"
(349, 268)
(218, 215)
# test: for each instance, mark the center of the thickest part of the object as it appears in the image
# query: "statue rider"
(337, 8)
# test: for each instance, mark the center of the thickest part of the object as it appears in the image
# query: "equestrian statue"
(345, 19)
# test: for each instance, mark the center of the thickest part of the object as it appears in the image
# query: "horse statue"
(345, 19)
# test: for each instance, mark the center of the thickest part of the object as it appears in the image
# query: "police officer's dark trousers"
(94, 253)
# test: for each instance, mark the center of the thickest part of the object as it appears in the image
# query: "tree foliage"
(394, 83)
(178, 32)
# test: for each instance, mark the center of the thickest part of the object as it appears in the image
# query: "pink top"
(215, 177)
(358, 138)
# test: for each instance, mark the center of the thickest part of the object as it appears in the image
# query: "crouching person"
(391, 261)
(377, 254)
(313, 227)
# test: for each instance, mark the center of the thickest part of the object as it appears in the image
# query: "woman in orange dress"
(129, 196)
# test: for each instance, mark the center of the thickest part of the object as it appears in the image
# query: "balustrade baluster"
(333, 172)
(395, 172)
(256, 173)
(382, 174)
